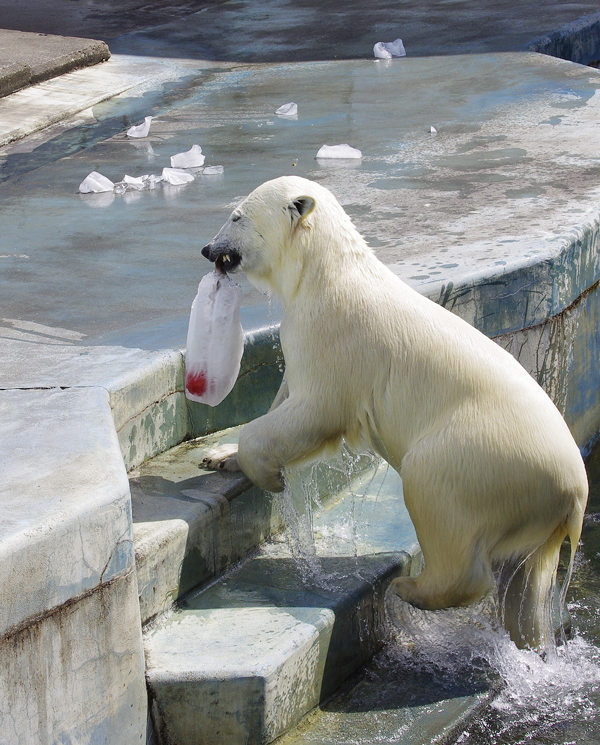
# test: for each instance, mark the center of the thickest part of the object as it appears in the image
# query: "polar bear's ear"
(301, 207)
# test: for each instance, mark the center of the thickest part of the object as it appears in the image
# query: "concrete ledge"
(27, 58)
(13, 76)
(66, 526)
(54, 100)
(191, 525)
(578, 41)
(69, 613)
(529, 287)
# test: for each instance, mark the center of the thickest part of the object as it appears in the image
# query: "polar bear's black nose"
(206, 251)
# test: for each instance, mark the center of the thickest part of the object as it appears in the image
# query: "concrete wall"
(578, 41)
(71, 658)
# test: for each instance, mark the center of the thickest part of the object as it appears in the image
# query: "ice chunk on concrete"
(433, 130)
(140, 130)
(135, 183)
(339, 151)
(192, 158)
(212, 170)
(95, 183)
(176, 176)
(389, 49)
(151, 180)
(288, 110)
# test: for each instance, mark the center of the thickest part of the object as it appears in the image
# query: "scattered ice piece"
(192, 158)
(152, 180)
(176, 176)
(389, 49)
(212, 170)
(433, 130)
(339, 151)
(288, 109)
(135, 183)
(140, 130)
(120, 187)
(95, 182)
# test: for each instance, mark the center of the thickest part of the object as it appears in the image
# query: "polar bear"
(492, 476)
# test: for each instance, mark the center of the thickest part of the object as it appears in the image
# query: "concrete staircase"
(264, 627)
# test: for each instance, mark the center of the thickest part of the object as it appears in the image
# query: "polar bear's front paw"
(222, 458)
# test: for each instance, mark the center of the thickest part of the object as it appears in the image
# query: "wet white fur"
(490, 470)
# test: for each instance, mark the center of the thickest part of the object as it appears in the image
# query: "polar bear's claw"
(222, 458)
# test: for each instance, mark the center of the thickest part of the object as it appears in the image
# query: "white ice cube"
(433, 130)
(339, 151)
(140, 130)
(135, 183)
(212, 170)
(176, 176)
(389, 49)
(95, 182)
(192, 158)
(151, 180)
(288, 109)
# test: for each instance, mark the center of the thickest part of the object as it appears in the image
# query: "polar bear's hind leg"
(457, 569)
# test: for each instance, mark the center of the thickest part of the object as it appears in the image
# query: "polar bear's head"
(271, 234)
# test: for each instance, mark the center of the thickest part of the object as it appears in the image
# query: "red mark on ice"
(195, 383)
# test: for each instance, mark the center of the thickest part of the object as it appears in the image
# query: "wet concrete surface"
(296, 30)
(511, 171)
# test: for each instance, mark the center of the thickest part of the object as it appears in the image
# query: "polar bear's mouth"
(227, 260)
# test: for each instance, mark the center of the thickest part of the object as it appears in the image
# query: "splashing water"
(299, 533)
(303, 498)
(552, 701)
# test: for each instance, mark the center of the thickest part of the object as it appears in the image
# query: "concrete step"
(191, 525)
(243, 660)
(28, 58)
(390, 700)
